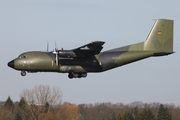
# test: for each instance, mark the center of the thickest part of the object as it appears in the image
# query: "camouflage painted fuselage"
(45, 61)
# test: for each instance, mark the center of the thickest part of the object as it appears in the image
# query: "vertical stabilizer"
(160, 38)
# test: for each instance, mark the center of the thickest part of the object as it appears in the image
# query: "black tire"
(23, 73)
(70, 75)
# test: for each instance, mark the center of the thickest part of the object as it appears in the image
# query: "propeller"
(56, 52)
(47, 46)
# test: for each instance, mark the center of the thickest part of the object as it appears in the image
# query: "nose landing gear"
(23, 73)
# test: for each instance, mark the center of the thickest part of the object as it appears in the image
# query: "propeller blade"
(56, 59)
(56, 52)
(56, 49)
(47, 46)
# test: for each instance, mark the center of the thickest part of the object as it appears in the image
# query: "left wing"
(92, 48)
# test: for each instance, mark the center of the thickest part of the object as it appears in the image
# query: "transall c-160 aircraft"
(89, 58)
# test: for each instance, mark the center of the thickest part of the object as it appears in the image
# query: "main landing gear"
(23, 73)
(77, 75)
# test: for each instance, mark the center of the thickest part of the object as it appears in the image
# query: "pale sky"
(27, 25)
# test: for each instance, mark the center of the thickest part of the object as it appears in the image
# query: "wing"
(92, 48)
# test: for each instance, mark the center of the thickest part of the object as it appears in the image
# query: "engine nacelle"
(67, 54)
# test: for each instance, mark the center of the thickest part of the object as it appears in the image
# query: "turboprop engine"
(67, 53)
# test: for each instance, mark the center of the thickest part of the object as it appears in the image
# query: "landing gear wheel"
(79, 75)
(23, 73)
(70, 75)
(83, 75)
(75, 75)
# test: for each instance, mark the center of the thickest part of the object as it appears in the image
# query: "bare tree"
(36, 100)
(42, 94)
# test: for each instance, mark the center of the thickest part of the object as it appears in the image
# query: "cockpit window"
(22, 56)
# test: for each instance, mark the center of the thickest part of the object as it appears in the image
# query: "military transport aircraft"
(89, 58)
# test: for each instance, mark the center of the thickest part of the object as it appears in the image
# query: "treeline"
(133, 111)
(44, 103)
(100, 111)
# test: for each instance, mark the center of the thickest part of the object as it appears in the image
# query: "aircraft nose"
(11, 64)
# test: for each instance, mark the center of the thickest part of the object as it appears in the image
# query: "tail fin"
(160, 38)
